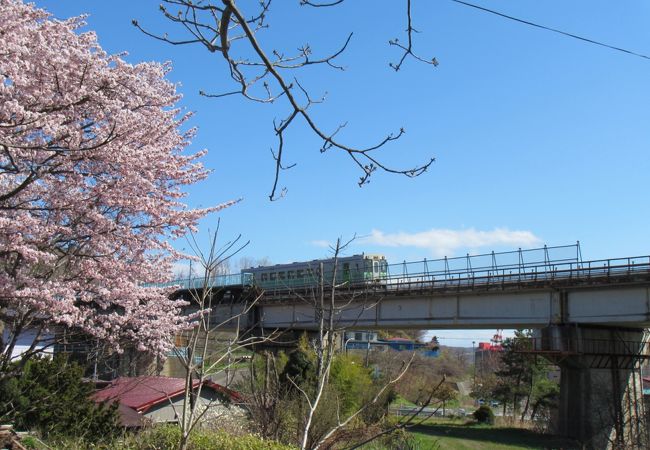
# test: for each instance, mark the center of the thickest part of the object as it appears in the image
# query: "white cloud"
(443, 242)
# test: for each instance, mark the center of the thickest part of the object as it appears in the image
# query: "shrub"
(484, 414)
(168, 436)
(50, 397)
(29, 442)
(352, 382)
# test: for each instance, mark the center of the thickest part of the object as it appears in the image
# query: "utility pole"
(474, 375)
(367, 349)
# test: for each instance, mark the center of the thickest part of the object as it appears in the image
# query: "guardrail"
(406, 411)
(519, 268)
(234, 279)
(499, 276)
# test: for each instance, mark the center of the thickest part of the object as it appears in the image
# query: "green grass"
(458, 436)
(401, 401)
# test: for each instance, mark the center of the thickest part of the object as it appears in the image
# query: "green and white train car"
(355, 270)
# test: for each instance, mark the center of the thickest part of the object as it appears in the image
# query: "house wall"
(169, 411)
(173, 367)
(172, 410)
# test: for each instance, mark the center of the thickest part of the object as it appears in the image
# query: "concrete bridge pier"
(601, 395)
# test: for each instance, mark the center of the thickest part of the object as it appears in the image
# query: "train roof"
(315, 261)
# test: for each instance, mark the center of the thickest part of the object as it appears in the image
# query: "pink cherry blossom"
(92, 167)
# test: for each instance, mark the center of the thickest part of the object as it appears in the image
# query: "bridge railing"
(547, 264)
(400, 278)
(215, 281)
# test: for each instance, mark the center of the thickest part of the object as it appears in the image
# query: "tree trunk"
(523, 414)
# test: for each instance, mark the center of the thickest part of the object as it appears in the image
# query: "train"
(357, 270)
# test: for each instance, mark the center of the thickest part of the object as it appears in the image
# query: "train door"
(383, 270)
(346, 272)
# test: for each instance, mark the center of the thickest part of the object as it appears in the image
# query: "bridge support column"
(601, 396)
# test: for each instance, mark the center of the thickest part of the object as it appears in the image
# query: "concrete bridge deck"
(613, 292)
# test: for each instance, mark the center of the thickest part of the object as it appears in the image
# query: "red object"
(489, 347)
(141, 393)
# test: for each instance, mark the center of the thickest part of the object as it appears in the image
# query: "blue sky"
(538, 138)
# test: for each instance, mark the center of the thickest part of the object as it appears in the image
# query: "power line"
(526, 22)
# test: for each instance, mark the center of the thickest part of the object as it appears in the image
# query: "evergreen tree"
(515, 378)
(51, 397)
(299, 368)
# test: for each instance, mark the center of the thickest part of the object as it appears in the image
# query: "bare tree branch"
(214, 28)
(408, 49)
(320, 5)
(202, 358)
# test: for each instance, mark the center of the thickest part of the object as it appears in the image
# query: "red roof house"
(160, 399)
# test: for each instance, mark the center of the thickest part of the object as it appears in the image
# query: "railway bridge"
(589, 318)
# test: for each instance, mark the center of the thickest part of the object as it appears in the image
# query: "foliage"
(451, 362)
(92, 167)
(445, 393)
(403, 440)
(164, 437)
(299, 368)
(352, 381)
(414, 335)
(485, 386)
(424, 373)
(515, 378)
(544, 399)
(29, 442)
(484, 414)
(520, 381)
(50, 397)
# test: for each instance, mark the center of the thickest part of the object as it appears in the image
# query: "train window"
(264, 277)
(310, 273)
(375, 266)
(299, 273)
(273, 276)
(291, 275)
(384, 267)
(280, 275)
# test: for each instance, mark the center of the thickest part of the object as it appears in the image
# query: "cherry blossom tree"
(92, 167)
